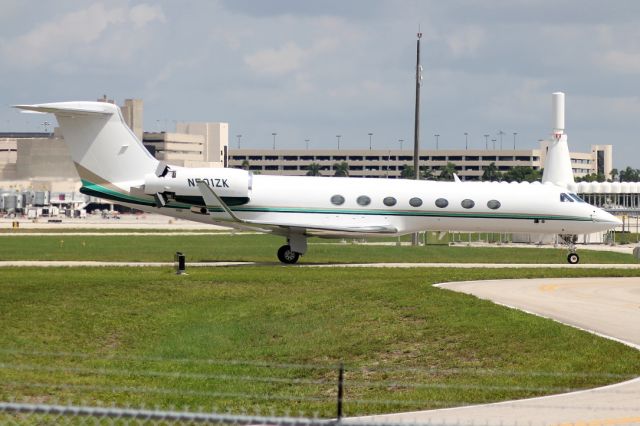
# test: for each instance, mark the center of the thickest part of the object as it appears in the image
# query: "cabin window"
(389, 201)
(565, 198)
(493, 204)
(575, 197)
(442, 203)
(338, 200)
(363, 200)
(415, 202)
(467, 204)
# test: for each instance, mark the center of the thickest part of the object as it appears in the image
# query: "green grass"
(142, 336)
(118, 230)
(262, 248)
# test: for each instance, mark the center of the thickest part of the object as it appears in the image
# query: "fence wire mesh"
(80, 388)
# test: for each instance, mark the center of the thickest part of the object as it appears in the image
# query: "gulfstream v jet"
(114, 165)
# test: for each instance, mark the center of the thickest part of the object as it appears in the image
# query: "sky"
(317, 69)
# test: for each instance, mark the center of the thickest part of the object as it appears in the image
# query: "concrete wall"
(216, 138)
(43, 158)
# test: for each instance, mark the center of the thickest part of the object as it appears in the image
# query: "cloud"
(620, 62)
(280, 61)
(467, 41)
(78, 32)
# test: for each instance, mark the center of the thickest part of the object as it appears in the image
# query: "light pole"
(370, 135)
(500, 133)
(400, 140)
(494, 144)
(486, 142)
(514, 140)
(274, 140)
(437, 137)
(338, 137)
(239, 136)
(466, 140)
(306, 141)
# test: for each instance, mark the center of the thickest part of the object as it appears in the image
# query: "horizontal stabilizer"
(68, 108)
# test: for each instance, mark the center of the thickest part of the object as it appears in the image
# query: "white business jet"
(114, 165)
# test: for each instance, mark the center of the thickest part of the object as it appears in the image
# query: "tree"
(341, 169)
(407, 172)
(522, 174)
(426, 173)
(446, 172)
(629, 175)
(491, 173)
(245, 164)
(314, 169)
(614, 174)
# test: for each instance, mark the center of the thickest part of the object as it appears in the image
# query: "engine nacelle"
(180, 184)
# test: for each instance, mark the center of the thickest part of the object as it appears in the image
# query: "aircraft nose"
(604, 217)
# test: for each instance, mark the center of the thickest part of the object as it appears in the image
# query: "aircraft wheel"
(288, 256)
(573, 258)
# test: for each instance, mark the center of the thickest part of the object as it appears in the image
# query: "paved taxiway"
(609, 307)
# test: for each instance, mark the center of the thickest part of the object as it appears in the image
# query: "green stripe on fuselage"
(96, 190)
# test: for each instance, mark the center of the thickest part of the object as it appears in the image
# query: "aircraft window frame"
(494, 204)
(415, 202)
(467, 203)
(576, 197)
(389, 201)
(565, 198)
(337, 200)
(363, 200)
(442, 203)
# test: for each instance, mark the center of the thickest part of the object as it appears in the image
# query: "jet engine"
(180, 184)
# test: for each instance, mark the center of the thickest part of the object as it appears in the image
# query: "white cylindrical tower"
(557, 166)
(557, 111)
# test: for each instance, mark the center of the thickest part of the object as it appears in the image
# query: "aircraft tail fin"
(103, 148)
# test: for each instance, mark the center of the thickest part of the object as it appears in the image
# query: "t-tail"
(108, 156)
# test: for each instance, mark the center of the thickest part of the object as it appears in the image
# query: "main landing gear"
(569, 241)
(288, 256)
(296, 246)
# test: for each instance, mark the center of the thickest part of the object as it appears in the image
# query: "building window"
(363, 200)
(467, 204)
(415, 202)
(389, 201)
(442, 203)
(338, 200)
(493, 204)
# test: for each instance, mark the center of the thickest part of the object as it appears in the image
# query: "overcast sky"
(315, 69)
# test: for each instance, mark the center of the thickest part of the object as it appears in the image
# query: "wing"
(213, 200)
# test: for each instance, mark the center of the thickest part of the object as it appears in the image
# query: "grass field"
(272, 337)
(262, 248)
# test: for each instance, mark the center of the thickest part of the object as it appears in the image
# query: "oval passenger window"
(337, 200)
(442, 203)
(363, 200)
(493, 204)
(389, 201)
(415, 202)
(467, 204)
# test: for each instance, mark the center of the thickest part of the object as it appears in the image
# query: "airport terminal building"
(469, 164)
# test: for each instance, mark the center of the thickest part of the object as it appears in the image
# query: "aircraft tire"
(288, 256)
(573, 258)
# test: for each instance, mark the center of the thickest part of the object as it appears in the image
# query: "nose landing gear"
(570, 242)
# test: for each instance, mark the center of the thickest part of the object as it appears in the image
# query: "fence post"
(340, 390)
